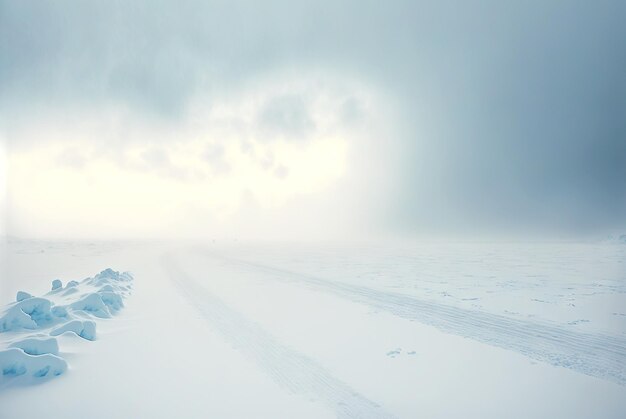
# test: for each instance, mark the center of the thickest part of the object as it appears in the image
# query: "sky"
(327, 119)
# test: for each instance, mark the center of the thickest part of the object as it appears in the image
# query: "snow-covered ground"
(432, 330)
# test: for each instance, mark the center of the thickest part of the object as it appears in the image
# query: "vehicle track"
(289, 368)
(594, 354)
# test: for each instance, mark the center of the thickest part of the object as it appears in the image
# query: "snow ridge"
(29, 349)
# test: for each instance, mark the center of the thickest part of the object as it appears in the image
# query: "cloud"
(499, 115)
(72, 157)
(286, 116)
(214, 155)
(281, 172)
(158, 159)
(191, 171)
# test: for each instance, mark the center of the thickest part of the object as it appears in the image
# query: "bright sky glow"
(257, 151)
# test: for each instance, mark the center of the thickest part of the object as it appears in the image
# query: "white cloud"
(137, 177)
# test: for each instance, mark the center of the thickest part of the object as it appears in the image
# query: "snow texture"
(595, 354)
(313, 331)
(29, 352)
(294, 371)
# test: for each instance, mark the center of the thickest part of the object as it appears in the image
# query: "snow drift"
(29, 349)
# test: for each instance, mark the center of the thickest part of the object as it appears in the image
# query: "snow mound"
(37, 346)
(109, 276)
(31, 313)
(84, 328)
(112, 300)
(62, 310)
(92, 304)
(14, 363)
(21, 295)
(100, 296)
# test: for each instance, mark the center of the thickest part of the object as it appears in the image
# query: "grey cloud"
(286, 116)
(511, 115)
(351, 111)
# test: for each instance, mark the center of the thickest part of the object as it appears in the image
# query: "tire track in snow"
(593, 354)
(289, 368)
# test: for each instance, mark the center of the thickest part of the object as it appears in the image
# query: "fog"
(223, 119)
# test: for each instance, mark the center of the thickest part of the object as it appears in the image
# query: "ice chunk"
(112, 300)
(27, 314)
(16, 319)
(93, 304)
(37, 346)
(109, 276)
(14, 362)
(86, 329)
(30, 357)
(22, 295)
(108, 273)
(59, 311)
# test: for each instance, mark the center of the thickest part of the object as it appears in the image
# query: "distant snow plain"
(379, 330)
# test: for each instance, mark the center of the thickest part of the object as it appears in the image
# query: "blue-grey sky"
(459, 116)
